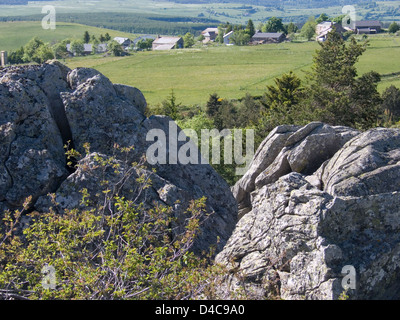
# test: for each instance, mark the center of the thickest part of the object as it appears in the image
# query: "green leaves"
(125, 252)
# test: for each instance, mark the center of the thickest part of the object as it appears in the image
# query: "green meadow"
(230, 71)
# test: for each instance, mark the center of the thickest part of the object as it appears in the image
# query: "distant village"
(210, 35)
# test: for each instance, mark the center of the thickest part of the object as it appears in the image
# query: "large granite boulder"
(46, 108)
(317, 202)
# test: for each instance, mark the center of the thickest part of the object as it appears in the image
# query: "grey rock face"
(290, 149)
(313, 211)
(32, 159)
(46, 107)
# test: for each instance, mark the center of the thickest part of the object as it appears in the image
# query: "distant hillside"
(279, 3)
(130, 22)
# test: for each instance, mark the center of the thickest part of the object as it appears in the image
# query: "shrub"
(112, 249)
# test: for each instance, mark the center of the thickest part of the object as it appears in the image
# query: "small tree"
(391, 102)
(115, 48)
(107, 37)
(274, 24)
(170, 106)
(240, 38)
(60, 49)
(86, 37)
(145, 44)
(337, 95)
(250, 29)
(77, 47)
(213, 105)
(308, 30)
(292, 28)
(188, 40)
(323, 17)
(394, 27)
(37, 51)
(31, 48)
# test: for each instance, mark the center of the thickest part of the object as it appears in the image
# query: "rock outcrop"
(46, 107)
(317, 201)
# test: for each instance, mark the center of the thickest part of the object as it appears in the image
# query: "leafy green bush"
(113, 249)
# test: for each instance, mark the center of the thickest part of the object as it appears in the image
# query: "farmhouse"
(261, 38)
(124, 42)
(368, 27)
(210, 34)
(227, 38)
(322, 29)
(167, 43)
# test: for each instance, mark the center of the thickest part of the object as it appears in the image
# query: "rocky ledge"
(320, 216)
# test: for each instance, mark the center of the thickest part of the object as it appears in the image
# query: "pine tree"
(213, 105)
(86, 37)
(170, 106)
(337, 95)
(250, 29)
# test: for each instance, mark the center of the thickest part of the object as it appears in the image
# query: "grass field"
(231, 72)
(13, 35)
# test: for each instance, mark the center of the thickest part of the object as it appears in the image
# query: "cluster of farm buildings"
(210, 34)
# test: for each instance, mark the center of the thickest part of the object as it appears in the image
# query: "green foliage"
(112, 249)
(60, 49)
(282, 98)
(17, 56)
(86, 37)
(391, 104)
(240, 38)
(323, 17)
(337, 95)
(292, 28)
(220, 36)
(213, 105)
(274, 24)
(145, 44)
(170, 107)
(37, 51)
(188, 40)
(394, 27)
(250, 29)
(77, 47)
(115, 48)
(308, 30)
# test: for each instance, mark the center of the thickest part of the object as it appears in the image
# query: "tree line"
(129, 22)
